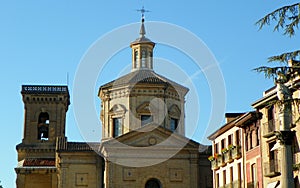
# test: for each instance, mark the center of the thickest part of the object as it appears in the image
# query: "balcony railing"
(236, 152)
(272, 168)
(221, 161)
(269, 128)
(214, 164)
(252, 185)
(228, 156)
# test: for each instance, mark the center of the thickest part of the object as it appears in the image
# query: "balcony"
(234, 184)
(269, 128)
(237, 184)
(236, 152)
(228, 156)
(220, 161)
(252, 184)
(214, 164)
(272, 168)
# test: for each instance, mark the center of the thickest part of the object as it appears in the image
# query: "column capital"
(285, 137)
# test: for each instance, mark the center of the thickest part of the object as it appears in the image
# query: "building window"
(239, 174)
(117, 127)
(43, 126)
(257, 136)
(145, 119)
(271, 113)
(153, 183)
(253, 173)
(230, 139)
(150, 59)
(144, 57)
(231, 174)
(237, 137)
(173, 124)
(251, 140)
(222, 143)
(224, 177)
(136, 57)
(216, 148)
(217, 180)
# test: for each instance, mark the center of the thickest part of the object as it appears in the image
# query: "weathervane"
(142, 10)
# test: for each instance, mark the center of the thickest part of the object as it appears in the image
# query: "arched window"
(136, 57)
(150, 59)
(144, 57)
(153, 183)
(43, 126)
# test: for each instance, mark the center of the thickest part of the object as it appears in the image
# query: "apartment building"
(227, 159)
(250, 124)
(270, 146)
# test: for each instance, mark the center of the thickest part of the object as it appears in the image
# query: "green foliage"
(286, 18)
(296, 167)
(285, 72)
(282, 58)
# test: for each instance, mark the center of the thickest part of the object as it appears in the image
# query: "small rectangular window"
(224, 177)
(237, 138)
(216, 148)
(145, 119)
(230, 139)
(231, 174)
(222, 143)
(117, 126)
(173, 124)
(217, 180)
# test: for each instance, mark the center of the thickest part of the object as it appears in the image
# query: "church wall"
(173, 173)
(79, 169)
(36, 178)
(38, 181)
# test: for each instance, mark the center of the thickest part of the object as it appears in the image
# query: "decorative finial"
(142, 10)
(142, 30)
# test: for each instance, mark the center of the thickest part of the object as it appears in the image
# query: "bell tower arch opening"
(43, 126)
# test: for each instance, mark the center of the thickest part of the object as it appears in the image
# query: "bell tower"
(44, 118)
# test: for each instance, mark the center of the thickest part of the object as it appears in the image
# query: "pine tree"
(286, 18)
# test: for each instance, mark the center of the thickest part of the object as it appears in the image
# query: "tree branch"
(283, 58)
(289, 14)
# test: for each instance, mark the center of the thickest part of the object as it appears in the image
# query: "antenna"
(67, 78)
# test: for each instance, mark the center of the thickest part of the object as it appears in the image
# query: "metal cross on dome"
(142, 10)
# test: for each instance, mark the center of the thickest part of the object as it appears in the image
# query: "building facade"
(250, 124)
(271, 124)
(226, 161)
(143, 135)
(262, 139)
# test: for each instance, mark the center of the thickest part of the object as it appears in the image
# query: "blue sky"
(42, 41)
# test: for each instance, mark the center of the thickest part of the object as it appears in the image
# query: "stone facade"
(271, 124)
(143, 142)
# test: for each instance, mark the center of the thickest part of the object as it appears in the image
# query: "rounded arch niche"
(153, 183)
